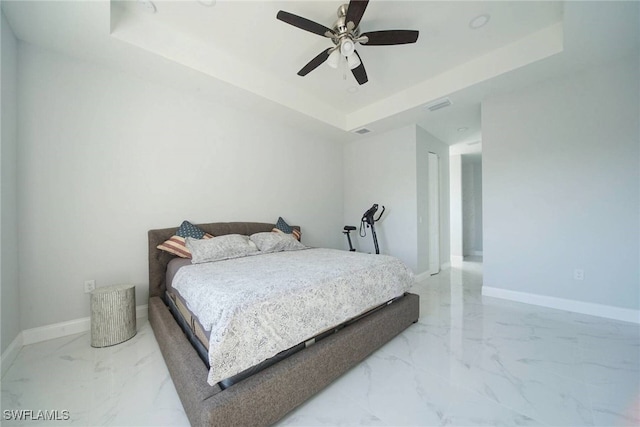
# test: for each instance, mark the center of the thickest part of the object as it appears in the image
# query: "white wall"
(9, 294)
(391, 169)
(561, 187)
(472, 204)
(382, 169)
(105, 156)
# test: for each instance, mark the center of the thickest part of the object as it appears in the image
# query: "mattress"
(180, 305)
(199, 338)
(251, 309)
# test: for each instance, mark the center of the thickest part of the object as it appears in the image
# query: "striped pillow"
(176, 245)
(282, 226)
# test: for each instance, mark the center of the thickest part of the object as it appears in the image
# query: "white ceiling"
(240, 51)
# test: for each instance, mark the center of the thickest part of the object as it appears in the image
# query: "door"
(434, 213)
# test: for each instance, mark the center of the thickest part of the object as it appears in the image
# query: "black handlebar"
(369, 216)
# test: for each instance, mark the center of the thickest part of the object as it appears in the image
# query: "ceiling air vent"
(362, 131)
(440, 103)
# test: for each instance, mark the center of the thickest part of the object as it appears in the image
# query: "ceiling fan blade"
(315, 62)
(390, 37)
(359, 72)
(305, 24)
(354, 13)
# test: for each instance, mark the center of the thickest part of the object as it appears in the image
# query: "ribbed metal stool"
(113, 315)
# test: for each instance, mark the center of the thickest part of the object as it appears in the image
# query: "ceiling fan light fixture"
(334, 59)
(347, 47)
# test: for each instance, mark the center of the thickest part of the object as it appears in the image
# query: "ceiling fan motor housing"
(340, 27)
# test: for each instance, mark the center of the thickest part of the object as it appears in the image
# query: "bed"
(265, 397)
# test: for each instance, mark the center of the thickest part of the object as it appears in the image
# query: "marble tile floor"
(469, 361)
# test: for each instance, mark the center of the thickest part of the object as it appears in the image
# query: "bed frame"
(269, 395)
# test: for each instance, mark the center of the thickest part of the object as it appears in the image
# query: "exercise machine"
(368, 221)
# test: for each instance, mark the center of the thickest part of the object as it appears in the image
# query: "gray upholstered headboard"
(158, 259)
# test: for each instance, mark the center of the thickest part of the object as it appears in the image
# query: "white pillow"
(219, 248)
(276, 242)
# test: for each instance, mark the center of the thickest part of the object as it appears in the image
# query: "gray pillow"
(276, 242)
(219, 248)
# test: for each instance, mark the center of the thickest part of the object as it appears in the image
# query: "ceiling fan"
(345, 34)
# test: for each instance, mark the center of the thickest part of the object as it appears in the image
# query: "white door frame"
(434, 213)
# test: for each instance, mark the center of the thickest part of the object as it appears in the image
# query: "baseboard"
(57, 330)
(472, 253)
(592, 309)
(10, 354)
(420, 277)
(71, 327)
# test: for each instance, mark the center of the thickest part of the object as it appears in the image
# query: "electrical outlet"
(89, 285)
(578, 274)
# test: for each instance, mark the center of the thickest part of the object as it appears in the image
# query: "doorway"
(465, 197)
(472, 205)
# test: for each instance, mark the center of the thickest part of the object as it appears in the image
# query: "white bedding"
(258, 306)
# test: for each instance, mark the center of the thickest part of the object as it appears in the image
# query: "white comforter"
(258, 306)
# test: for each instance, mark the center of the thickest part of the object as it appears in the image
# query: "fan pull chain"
(344, 67)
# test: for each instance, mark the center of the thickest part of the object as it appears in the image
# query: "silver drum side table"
(113, 315)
